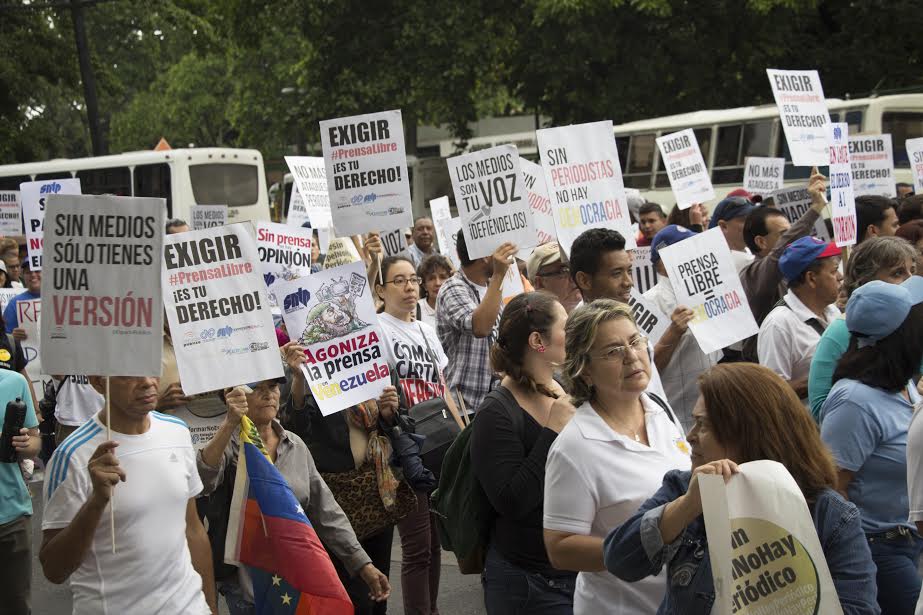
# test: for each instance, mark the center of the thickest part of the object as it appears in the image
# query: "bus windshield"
(225, 183)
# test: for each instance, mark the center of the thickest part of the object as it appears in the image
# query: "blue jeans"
(511, 590)
(898, 579)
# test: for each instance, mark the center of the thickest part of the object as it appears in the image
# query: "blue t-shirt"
(866, 430)
(11, 313)
(14, 495)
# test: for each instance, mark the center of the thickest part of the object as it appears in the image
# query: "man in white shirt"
(677, 354)
(792, 330)
(160, 562)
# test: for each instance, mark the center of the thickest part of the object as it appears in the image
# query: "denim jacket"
(635, 550)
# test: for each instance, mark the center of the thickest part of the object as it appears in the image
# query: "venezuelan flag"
(270, 534)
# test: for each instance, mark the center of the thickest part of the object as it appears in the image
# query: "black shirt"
(511, 469)
(11, 357)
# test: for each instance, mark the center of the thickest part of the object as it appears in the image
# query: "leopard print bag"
(357, 494)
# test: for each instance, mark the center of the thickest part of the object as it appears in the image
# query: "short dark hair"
(589, 247)
(871, 209)
(173, 223)
(814, 267)
(755, 225)
(429, 266)
(651, 208)
(462, 249)
(913, 232)
(910, 209)
(891, 362)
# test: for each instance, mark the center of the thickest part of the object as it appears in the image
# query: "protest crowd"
(574, 441)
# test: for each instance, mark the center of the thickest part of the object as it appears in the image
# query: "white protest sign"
(285, 251)
(643, 271)
(10, 213)
(34, 195)
(843, 202)
(366, 173)
(310, 176)
(29, 315)
(394, 242)
(341, 251)
(512, 284)
(705, 280)
(761, 510)
(440, 208)
(682, 160)
(915, 156)
(794, 202)
(872, 162)
(539, 203)
(297, 214)
(208, 216)
(763, 175)
(583, 177)
(648, 316)
(102, 285)
(332, 315)
(324, 235)
(491, 200)
(448, 239)
(803, 113)
(218, 309)
(6, 294)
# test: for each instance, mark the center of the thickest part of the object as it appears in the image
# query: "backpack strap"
(666, 408)
(814, 323)
(508, 401)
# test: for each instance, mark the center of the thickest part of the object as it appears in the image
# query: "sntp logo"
(225, 331)
(52, 188)
(296, 300)
(837, 133)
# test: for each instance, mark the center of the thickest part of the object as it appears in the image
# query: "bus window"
(854, 120)
(901, 126)
(224, 183)
(115, 181)
(621, 144)
(640, 161)
(757, 140)
(59, 175)
(728, 169)
(154, 180)
(12, 183)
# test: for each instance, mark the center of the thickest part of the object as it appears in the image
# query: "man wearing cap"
(730, 215)
(677, 354)
(792, 330)
(650, 220)
(546, 272)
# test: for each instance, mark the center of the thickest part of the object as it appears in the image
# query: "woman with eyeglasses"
(610, 458)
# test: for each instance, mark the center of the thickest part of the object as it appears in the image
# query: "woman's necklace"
(623, 425)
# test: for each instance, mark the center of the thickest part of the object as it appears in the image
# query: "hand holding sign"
(503, 257)
(681, 317)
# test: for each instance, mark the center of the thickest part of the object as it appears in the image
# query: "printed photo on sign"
(218, 309)
(491, 200)
(643, 271)
(842, 200)
(309, 175)
(763, 175)
(10, 213)
(648, 316)
(583, 177)
(285, 252)
(208, 216)
(393, 242)
(332, 315)
(539, 203)
(803, 113)
(915, 156)
(794, 202)
(872, 162)
(366, 173)
(34, 196)
(101, 285)
(705, 280)
(682, 160)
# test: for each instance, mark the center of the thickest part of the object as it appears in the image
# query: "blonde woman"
(610, 458)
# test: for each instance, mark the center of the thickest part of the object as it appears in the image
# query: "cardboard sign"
(34, 196)
(324, 235)
(297, 214)
(648, 316)
(491, 200)
(763, 546)
(872, 162)
(447, 233)
(843, 202)
(10, 213)
(583, 176)
(915, 156)
(643, 271)
(341, 251)
(6, 294)
(539, 203)
(102, 285)
(208, 216)
(29, 315)
(704, 279)
(685, 167)
(393, 242)
(794, 202)
(803, 113)
(218, 309)
(310, 176)
(366, 173)
(763, 175)
(285, 251)
(332, 315)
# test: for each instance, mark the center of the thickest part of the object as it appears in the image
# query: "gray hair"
(870, 256)
(580, 334)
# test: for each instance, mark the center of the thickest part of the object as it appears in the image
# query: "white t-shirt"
(412, 362)
(595, 479)
(151, 571)
(77, 401)
(427, 313)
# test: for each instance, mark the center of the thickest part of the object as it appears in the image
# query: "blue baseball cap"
(667, 236)
(799, 255)
(730, 208)
(876, 309)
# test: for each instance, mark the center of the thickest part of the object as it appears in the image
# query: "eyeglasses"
(563, 271)
(619, 353)
(402, 281)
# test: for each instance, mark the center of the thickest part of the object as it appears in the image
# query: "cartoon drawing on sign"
(336, 315)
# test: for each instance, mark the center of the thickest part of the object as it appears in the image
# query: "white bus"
(184, 177)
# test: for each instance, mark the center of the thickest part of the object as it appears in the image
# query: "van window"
(640, 161)
(728, 146)
(621, 144)
(901, 126)
(115, 181)
(225, 183)
(12, 183)
(154, 180)
(757, 140)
